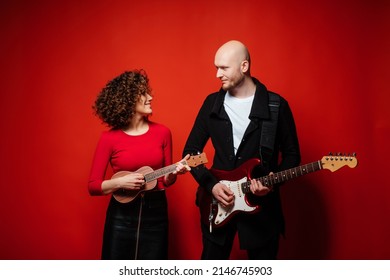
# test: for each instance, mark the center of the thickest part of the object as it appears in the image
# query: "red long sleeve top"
(129, 153)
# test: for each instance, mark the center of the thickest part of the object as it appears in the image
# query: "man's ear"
(245, 66)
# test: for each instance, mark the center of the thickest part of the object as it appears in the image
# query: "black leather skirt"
(138, 229)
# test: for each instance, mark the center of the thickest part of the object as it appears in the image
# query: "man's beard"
(233, 84)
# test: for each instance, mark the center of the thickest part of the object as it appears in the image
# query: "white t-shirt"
(238, 110)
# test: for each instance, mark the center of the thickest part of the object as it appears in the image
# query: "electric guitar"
(151, 176)
(237, 180)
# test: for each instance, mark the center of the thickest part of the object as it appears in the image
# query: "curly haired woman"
(137, 229)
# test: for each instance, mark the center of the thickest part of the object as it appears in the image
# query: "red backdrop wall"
(330, 59)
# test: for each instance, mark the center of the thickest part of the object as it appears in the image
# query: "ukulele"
(150, 176)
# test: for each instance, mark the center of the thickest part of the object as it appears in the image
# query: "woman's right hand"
(131, 181)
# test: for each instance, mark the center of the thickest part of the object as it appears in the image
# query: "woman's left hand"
(182, 168)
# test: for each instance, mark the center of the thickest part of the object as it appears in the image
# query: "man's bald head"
(233, 51)
(233, 66)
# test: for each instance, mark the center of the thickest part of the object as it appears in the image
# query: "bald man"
(234, 118)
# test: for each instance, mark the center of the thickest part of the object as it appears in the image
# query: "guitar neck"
(161, 172)
(285, 175)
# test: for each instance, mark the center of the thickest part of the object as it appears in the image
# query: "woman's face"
(143, 106)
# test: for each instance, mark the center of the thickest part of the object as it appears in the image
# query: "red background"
(329, 59)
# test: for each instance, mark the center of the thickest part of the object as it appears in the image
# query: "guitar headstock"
(196, 160)
(334, 163)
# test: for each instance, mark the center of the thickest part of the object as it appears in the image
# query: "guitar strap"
(139, 226)
(268, 132)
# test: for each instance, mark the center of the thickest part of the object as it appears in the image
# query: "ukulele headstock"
(196, 160)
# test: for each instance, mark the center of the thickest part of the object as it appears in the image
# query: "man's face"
(229, 70)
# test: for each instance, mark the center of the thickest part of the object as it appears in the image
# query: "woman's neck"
(137, 126)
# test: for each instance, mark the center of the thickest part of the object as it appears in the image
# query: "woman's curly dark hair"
(116, 102)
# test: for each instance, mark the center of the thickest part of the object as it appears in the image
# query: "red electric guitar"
(151, 176)
(237, 180)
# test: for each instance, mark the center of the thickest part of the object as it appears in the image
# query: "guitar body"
(125, 195)
(215, 214)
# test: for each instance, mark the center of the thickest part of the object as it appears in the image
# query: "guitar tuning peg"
(330, 154)
(354, 154)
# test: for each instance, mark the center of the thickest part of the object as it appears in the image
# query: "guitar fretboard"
(284, 175)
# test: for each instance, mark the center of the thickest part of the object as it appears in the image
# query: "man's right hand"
(223, 195)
